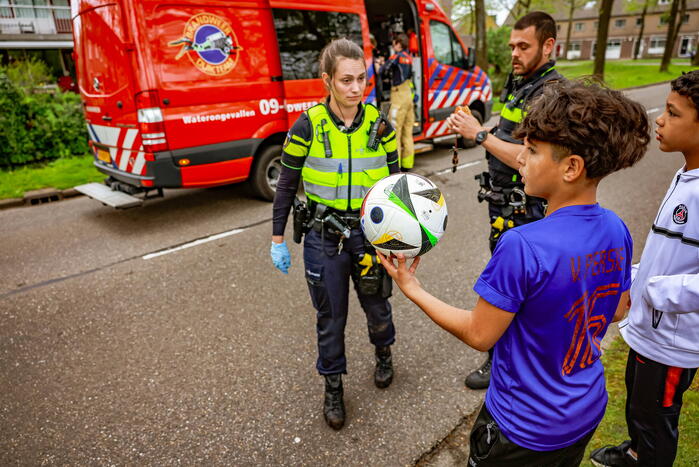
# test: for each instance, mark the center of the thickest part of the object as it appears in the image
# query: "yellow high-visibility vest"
(341, 180)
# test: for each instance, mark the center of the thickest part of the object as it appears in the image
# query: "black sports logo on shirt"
(679, 215)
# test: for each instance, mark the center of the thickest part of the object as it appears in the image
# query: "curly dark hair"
(608, 130)
(687, 85)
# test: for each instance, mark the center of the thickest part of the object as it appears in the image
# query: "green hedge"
(38, 126)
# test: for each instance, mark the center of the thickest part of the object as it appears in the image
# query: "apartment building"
(37, 28)
(624, 28)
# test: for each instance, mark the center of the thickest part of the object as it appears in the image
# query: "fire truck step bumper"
(106, 195)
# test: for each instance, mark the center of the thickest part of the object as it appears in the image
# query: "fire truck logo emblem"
(210, 43)
(679, 216)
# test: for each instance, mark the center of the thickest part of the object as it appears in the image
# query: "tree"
(673, 28)
(637, 48)
(466, 9)
(572, 6)
(499, 55)
(633, 6)
(481, 33)
(605, 13)
(521, 8)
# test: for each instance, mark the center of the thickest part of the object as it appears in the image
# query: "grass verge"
(612, 430)
(621, 74)
(61, 174)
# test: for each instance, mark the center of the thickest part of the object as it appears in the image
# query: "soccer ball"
(404, 213)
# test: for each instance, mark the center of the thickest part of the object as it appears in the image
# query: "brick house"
(37, 28)
(624, 27)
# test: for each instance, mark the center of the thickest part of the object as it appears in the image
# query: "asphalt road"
(205, 354)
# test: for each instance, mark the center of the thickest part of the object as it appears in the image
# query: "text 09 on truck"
(183, 95)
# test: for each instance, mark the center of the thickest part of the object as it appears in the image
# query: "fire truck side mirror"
(471, 58)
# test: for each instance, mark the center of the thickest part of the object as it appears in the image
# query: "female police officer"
(329, 148)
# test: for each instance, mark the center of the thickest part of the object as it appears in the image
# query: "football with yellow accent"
(404, 213)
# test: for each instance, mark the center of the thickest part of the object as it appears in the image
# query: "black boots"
(480, 379)
(334, 407)
(383, 375)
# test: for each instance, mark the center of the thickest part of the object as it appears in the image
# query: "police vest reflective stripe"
(514, 111)
(514, 115)
(510, 116)
(341, 180)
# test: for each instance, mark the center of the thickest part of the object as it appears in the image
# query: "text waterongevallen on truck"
(185, 94)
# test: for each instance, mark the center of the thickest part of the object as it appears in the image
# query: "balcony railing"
(34, 19)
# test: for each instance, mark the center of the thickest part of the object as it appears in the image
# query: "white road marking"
(458, 167)
(194, 243)
(653, 110)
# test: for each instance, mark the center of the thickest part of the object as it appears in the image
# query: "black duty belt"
(351, 221)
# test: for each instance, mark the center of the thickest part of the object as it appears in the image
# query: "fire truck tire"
(265, 172)
(469, 143)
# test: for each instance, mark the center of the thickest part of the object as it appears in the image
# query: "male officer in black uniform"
(532, 42)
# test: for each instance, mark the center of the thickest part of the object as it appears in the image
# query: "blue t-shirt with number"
(562, 277)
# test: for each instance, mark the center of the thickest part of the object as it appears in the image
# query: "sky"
(500, 8)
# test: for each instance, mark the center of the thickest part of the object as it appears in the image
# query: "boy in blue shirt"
(552, 286)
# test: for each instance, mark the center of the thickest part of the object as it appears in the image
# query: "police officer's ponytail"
(339, 48)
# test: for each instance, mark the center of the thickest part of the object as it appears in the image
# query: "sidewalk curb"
(38, 197)
(11, 203)
(453, 449)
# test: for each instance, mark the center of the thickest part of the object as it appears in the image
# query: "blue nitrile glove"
(281, 257)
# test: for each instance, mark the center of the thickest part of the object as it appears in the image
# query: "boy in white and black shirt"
(662, 327)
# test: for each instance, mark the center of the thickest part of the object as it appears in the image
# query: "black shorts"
(489, 447)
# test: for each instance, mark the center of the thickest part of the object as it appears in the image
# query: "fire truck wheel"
(265, 172)
(469, 143)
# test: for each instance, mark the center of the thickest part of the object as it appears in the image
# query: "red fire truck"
(188, 94)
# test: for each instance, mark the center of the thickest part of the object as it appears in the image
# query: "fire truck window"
(302, 34)
(447, 49)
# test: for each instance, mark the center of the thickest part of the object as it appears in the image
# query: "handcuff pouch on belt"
(371, 278)
(302, 219)
(511, 201)
(329, 221)
(317, 216)
(332, 224)
(513, 197)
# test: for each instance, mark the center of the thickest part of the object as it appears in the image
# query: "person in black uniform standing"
(339, 149)
(532, 41)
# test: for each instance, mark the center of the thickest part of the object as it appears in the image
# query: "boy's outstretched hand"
(403, 275)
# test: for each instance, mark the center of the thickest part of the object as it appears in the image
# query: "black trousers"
(328, 275)
(489, 447)
(653, 403)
